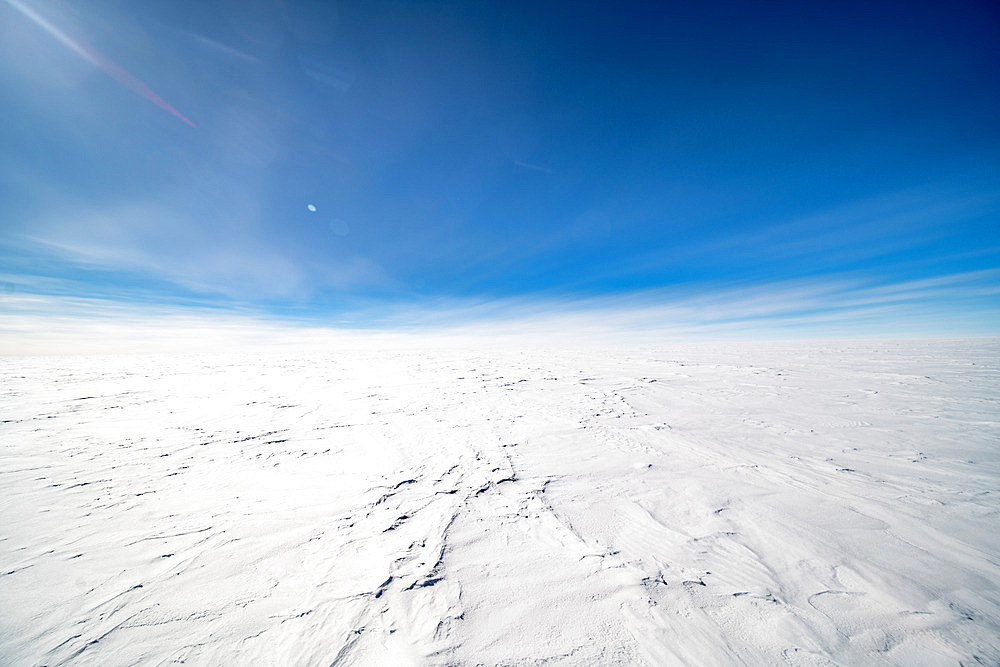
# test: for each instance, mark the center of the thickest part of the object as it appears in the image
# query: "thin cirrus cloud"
(745, 310)
(841, 306)
(153, 242)
(864, 230)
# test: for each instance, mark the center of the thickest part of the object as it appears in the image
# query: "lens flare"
(99, 60)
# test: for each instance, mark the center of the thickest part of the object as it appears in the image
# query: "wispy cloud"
(533, 167)
(152, 242)
(848, 305)
(960, 304)
(869, 228)
(219, 47)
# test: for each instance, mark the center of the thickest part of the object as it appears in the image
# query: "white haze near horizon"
(956, 305)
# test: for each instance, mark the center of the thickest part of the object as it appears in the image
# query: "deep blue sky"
(467, 153)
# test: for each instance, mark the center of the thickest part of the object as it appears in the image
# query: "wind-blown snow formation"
(804, 503)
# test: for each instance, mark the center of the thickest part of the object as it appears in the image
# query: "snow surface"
(803, 503)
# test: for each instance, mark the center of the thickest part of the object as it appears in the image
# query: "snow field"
(799, 503)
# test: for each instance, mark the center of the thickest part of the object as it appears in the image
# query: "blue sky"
(390, 164)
